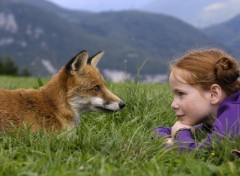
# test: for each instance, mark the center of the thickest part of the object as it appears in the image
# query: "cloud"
(213, 7)
(198, 13)
(218, 12)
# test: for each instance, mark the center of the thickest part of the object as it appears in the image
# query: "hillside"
(141, 36)
(31, 35)
(40, 35)
(227, 32)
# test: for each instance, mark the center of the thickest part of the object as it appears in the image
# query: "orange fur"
(55, 106)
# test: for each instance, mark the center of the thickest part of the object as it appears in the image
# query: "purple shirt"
(227, 124)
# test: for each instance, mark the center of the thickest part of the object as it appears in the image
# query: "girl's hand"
(177, 126)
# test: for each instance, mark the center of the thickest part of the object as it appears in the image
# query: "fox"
(77, 88)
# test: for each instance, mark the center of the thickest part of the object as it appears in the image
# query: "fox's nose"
(121, 104)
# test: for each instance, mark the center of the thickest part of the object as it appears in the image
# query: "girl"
(206, 89)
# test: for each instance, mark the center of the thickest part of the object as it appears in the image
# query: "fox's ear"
(93, 60)
(77, 62)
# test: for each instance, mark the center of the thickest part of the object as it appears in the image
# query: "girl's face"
(190, 103)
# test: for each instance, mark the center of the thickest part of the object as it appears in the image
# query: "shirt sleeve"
(185, 140)
(162, 132)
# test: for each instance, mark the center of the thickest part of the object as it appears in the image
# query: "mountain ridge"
(227, 32)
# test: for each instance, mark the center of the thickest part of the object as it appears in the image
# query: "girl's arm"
(162, 132)
(184, 136)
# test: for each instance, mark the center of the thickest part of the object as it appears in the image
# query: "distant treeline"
(8, 67)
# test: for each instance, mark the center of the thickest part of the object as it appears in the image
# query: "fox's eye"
(96, 88)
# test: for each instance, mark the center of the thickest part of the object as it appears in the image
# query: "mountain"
(32, 36)
(72, 15)
(227, 32)
(142, 35)
(42, 37)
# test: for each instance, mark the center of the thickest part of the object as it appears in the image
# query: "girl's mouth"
(179, 116)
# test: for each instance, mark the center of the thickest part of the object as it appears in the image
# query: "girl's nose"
(174, 105)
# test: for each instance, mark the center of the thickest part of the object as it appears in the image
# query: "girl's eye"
(96, 88)
(181, 93)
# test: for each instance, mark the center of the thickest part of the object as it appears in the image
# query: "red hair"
(206, 67)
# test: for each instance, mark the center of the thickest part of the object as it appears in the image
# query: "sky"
(199, 13)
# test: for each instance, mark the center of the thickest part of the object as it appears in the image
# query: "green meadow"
(117, 144)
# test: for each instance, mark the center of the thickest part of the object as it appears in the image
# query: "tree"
(8, 67)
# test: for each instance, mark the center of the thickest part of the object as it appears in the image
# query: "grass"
(112, 144)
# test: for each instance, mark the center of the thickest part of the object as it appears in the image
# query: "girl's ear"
(217, 94)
